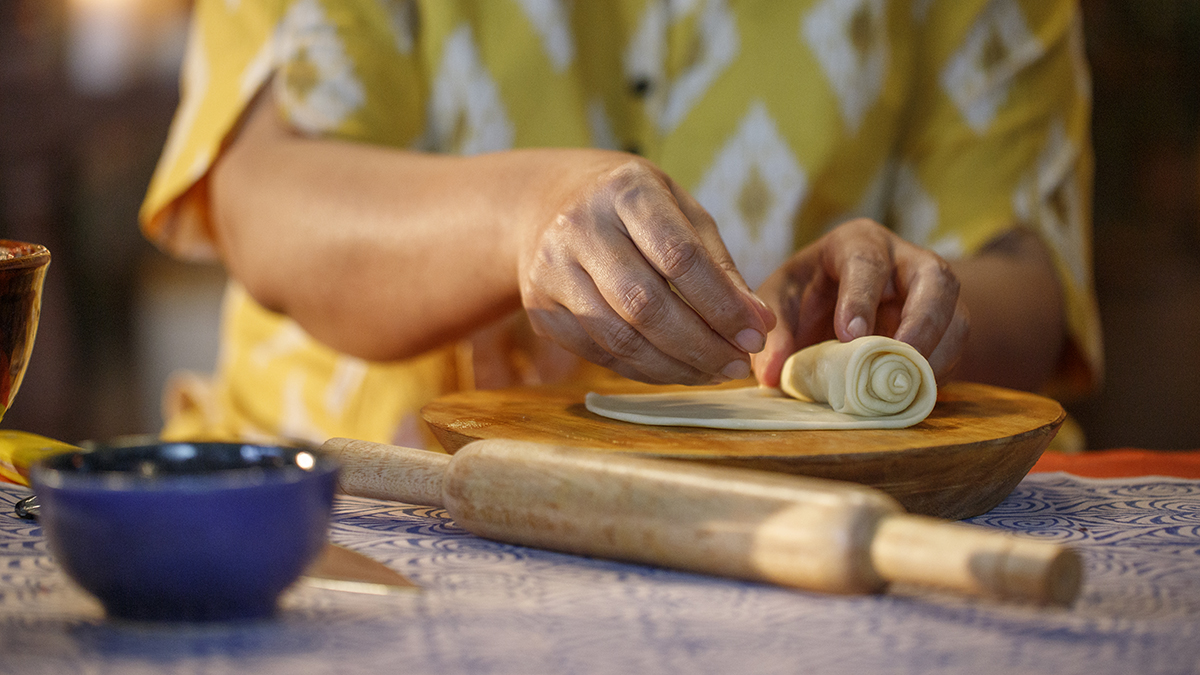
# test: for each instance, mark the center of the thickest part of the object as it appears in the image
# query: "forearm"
(376, 252)
(1016, 313)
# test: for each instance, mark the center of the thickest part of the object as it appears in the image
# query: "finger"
(587, 258)
(815, 317)
(930, 292)
(862, 265)
(560, 326)
(672, 245)
(599, 333)
(887, 317)
(949, 350)
(781, 295)
(709, 233)
(804, 299)
(768, 364)
(647, 306)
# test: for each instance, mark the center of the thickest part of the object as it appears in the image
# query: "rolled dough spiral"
(871, 376)
(869, 383)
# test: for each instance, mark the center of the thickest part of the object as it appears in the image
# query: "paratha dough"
(872, 382)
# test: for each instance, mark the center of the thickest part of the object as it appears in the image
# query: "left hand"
(862, 279)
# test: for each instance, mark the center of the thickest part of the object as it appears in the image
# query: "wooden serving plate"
(965, 458)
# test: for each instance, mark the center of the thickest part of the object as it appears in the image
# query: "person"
(413, 198)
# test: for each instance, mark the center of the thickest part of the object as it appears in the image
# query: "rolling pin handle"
(390, 472)
(973, 560)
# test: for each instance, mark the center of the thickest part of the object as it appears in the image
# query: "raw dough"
(870, 383)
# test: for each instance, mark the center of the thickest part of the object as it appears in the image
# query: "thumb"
(768, 364)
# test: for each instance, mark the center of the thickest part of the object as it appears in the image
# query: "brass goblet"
(22, 275)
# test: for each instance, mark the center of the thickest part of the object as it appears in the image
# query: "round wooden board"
(965, 458)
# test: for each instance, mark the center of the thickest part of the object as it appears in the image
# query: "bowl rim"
(40, 255)
(43, 475)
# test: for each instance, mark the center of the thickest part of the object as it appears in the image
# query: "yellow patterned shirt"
(951, 121)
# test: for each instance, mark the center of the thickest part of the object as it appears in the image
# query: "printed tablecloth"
(488, 607)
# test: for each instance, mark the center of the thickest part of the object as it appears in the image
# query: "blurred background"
(88, 87)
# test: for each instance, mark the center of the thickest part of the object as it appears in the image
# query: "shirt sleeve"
(999, 137)
(339, 68)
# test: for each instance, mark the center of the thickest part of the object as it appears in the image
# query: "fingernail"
(751, 341)
(736, 370)
(857, 327)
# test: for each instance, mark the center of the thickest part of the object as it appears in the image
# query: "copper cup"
(22, 275)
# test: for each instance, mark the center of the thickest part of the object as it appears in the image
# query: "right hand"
(604, 250)
(863, 279)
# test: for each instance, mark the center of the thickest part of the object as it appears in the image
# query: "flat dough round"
(869, 383)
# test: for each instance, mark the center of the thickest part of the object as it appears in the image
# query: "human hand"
(862, 279)
(623, 267)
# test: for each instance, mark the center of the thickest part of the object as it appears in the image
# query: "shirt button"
(640, 87)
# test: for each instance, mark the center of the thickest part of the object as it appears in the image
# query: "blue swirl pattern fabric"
(488, 607)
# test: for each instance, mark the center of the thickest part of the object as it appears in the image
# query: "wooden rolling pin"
(809, 533)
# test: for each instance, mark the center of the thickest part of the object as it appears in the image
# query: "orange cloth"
(1123, 462)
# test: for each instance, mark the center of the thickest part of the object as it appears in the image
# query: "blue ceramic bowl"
(186, 531)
